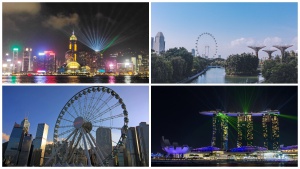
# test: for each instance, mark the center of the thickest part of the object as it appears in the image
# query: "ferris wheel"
(90, 129)
(206, 45)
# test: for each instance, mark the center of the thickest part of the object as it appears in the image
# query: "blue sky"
(44, 104)
(234, 25)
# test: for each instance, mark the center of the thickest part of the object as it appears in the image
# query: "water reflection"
(73, 79)
(218, 75)
(111, 79)
(127, 79)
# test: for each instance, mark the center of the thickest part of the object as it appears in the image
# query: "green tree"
(276, 72)
(161, 70)
(199, 64)
(244, 64)
(184, 54)
(179, 67)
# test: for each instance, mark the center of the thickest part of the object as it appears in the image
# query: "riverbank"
(218, 75)
(190, 79)
(222, 163)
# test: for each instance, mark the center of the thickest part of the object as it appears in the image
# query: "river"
(74, 79)
(218, 75)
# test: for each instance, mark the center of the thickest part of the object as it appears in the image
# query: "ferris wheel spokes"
(88, 110)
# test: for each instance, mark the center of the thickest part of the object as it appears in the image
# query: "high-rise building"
(159, 43)
(270, 126)
(143, 139)
(104, 140)
(15, 60)
(39, 144)
(220, 131)
(13, 148)
(152, 40)
(73, 46)
(245, 130)
(25, 150)
(193, 52)
(132, 151)
(26, 65)
(25, 125)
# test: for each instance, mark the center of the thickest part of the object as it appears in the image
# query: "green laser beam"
(110, 43)
(288, 116)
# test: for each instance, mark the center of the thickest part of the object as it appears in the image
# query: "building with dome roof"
(73, 46)
(71, 56)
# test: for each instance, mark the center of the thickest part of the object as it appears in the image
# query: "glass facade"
(143, 138)
(39, 144)
(13, 148)
(25, 150)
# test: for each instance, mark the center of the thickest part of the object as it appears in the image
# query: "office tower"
(143, 139)
(25, 125)
(25, 150)
(245, 130)
(132, 151)
(104, 141)
(134, 62)
(159, 43)
(193, 52)
(39, 144)
(152, 40)
(270, 126)
(26, 65)
(220, 131)
(13, 148)
(15, 60)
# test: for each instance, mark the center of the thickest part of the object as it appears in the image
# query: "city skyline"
(32, 104)
(106, 26)
(232, 25)
(188, 127)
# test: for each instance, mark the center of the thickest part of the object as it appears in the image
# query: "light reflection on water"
(73, 79)
(218, 75)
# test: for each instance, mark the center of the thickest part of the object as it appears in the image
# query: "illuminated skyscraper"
(15, 59)
(73, 46)
(270, 124)
(245, 130)
(159, 43)
(27, 65)
(39, 144)
(220, 131)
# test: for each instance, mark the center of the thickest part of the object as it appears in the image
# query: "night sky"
(175, 112)
(48, 26)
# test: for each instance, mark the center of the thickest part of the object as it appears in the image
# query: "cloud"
(60, 21)
(49, 142)
(270, 41)
(21, 8)
(5, 137)
(295, 41)
(101, 16)
(242, 41)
